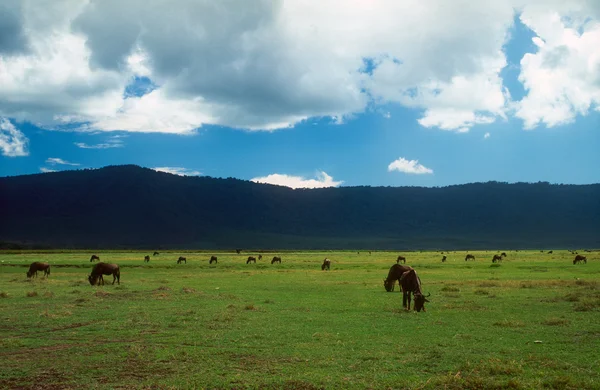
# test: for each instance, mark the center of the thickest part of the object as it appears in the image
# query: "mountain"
(133, 207)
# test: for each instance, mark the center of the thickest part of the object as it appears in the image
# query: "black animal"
(326, 265)
(580, 258)
(212, 258)
(259, 257)
(94, 257)
(181, 260)
(503, 254)
(401, 258)
(444, 259)
(550, 252)
(251, 259)
(38, 266)
(238, 251)
(156, 254)
(409, 282)
(104, 269)
(469, 256)
(146, 259)
(496, 258)
(276, 259)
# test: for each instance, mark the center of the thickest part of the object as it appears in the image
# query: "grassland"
(532, 321)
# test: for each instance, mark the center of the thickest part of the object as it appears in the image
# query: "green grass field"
(532, 321)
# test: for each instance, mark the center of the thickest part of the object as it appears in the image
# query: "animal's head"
(29, 274)
(420, 300)
(389, 284)
(92, 280)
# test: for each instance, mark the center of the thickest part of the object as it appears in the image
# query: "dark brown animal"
(38, 266)
(411, 283)
(503, 254)
(181, 260)
(251, 259)
(259, 257)
(444, 259)
(550, 252)
(276, 259)
(469, 256)
(394, 275)
(496, 258)
(156, 254)
(401, 258)
(238, 251)
(146, 259)
(212, 258)
(94, 257)
(580, 258)
(326, 265)
(104, 269)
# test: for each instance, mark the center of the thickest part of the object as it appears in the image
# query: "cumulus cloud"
(13, 143)
(178, 171)
(250, 64)
(59, 161)
(408, 166)
(323, 180)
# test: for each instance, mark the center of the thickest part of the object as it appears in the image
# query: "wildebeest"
(444, 259)
(276, 259)
(212, 258)
(579, 258)
(38, 266)
(181, 260)
(326, 265)
(259, 257)
(401, 258)
(104, 269)
(409, 282)
(146, 259)
(251, 259)
(94, 257)
(503, 254)
(496, 258)
(469, 256)
(238, 251)
(156, 254)
(550, 252)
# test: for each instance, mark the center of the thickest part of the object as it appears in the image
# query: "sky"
(304, 93)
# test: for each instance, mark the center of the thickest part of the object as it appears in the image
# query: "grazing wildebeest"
(38, 266)
(146, 259)
(444, 259)
(251, 259)
(94, 257)
(401, 258)
(469, 256)
(259, 257)
(496, 258)
(181, 260)
(276, 259)
(503, 254)
(409, 282)
(156, 254)
(212, 258)
(104, 269)
(550, 252)
(326, 265)
(238, 251)
(579, 258)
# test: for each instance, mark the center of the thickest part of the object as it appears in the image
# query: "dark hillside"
(133, 207)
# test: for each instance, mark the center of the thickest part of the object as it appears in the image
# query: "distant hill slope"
(133, 207)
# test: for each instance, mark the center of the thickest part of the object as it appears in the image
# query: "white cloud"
(13, 143)
(323, 180)
(114, 141)
(486, 135)
(250, 64)
(563, 78)
(178, 171)
(408, 166)
(59, 161)
(46, 170)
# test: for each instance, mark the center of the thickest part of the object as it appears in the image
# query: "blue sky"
(502, 92)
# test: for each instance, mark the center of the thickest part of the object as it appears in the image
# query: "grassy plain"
(532, 321)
